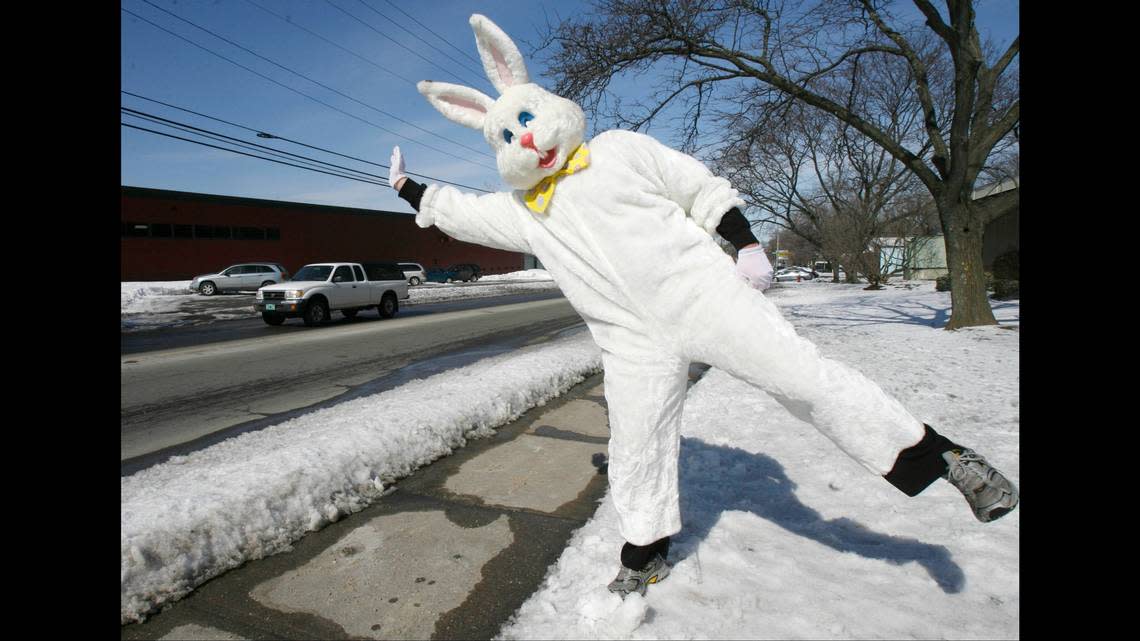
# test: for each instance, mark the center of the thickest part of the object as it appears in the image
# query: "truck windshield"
(313, 272)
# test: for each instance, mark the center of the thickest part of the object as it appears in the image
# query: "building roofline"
(148, 192)
(994, 189)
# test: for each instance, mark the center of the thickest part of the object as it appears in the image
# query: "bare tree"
(824, 181)
(746, 59)
(798, 250)
(846, 237)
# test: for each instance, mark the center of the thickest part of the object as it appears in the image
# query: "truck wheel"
(272, 319)
(349, 313)
(207, 289)
(316, 313)
(388, 306)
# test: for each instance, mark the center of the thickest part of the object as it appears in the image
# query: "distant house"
(892, 255)
(1002, 234)
(924, 257)
(913, 257)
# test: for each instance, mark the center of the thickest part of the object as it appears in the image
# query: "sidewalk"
(451, 553)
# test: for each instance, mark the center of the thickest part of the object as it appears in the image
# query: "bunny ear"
(457, 103)
(501, 58)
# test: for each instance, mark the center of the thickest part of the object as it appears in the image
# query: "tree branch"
(1008, 56)
(922, 87)
(985, 139)
(934, 21)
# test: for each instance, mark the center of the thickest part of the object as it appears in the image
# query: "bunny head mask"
(532, 131)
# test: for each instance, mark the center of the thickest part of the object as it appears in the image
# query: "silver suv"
(414, 272)
(244, 277)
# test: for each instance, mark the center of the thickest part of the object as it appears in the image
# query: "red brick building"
(176, 235)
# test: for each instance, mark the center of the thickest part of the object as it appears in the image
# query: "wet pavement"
(451, 553)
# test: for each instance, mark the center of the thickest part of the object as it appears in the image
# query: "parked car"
(468, 271)
(321, 288)
(414, 272)
(245, 277)
(458, 272)
(794, 274)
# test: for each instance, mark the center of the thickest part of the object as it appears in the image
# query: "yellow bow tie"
(537, 199)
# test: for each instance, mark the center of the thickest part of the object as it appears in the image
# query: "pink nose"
(527, 141)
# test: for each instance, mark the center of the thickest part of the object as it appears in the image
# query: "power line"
(208, 136)
(397, 42)
(213, 135)
(262, 134)
(167, 104)
(480, 74)
(316, 82)
(310, 80)
(296, 91)
(317, 35)
(445, 40)
(234, 151)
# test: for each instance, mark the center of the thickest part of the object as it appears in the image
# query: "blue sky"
(160, 66)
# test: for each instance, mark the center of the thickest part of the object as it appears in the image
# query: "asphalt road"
(209, 329)
(180, 399)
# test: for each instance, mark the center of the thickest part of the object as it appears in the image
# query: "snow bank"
(524, 282)
(526, 274)
(152, 296)
(190, 519)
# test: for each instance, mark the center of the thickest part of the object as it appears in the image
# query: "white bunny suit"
(627, 240)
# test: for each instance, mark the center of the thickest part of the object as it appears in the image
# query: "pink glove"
(752, 265)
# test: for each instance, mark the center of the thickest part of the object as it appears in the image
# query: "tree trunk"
(964, 231)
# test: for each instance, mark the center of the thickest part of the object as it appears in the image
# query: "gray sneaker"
(988, 492)
(629, 581)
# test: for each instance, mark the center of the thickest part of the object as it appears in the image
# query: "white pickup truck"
(317, 290)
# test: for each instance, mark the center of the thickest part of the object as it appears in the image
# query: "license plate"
(270, 307)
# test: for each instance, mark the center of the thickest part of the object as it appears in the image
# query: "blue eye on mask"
(525, 117)
(507, 135)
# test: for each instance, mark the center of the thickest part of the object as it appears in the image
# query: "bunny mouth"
(547, 161)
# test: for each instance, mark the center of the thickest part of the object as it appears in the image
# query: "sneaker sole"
(998, 513)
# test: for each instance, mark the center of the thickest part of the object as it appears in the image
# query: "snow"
(785, 537)
(196, 516)
(153, 297)
(526, 281)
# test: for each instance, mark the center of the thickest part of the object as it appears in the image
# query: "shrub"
(1008, 266)
(1006, 288)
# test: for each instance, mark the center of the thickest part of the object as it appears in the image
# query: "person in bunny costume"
(625, 226)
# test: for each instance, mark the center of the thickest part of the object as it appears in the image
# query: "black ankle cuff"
(636, 557)
(918, 466)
